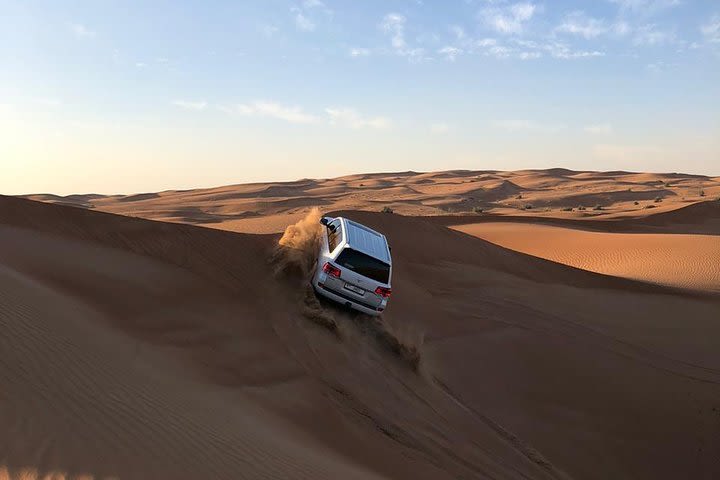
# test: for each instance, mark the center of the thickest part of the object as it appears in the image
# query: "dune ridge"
(551, 193)
(679, 260)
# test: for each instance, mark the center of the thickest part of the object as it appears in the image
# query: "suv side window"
(334, 237)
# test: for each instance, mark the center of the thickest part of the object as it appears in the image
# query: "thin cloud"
(651, 35)
(458, 31)
(393, 24)
(268, 30)
(526, 125)
(510, 19)
(272, 110)
(309, 13)
(564, 52)
(450, 53)
(599, 129)
(190, 104)
(313, 4)
(577, 23)
(81, 31)
(303, 23)
(359, 52)
(439, 128)
(645, 7)
(659, 67)
(531, 50)
(349, 117)
(529, 55)
(711, 30)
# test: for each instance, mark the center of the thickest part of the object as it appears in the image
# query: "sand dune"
(687, 261)
(139, 349)
(552, 193)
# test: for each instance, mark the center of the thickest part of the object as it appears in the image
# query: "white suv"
(354, 266)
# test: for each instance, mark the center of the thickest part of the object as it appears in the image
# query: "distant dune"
(141, 349)
(269, 207)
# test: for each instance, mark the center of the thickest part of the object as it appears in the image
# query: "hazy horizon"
(319, 178)
(137, 97)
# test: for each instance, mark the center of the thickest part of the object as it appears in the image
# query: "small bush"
(598, 207)
(567, 209)
(658, 199)
(362, 184)
(649, 206)
(477, 210)
(636, 203)
(581, 208)
(527, 207)
(387, 210)
(702, 193)
(519, 197)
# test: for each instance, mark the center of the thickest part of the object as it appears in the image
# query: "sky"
(110, 96)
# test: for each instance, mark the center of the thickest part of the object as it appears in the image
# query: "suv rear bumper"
(343, 299)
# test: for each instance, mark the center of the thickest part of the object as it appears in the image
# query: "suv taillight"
(331, 270)
(383, 292)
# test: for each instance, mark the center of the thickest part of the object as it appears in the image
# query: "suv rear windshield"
(364, 265)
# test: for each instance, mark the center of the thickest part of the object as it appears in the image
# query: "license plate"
(355, 289)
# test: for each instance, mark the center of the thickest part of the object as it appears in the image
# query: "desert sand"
(270, 207)
(687, 261)
(134, 348)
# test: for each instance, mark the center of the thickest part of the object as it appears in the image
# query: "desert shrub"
(650, 206)
(519, 197)
(658, 199)
(387, 209)
(702, 193)
(636, 203)
(581, 208)
(567, 209)
(598, 207)
(527, 207)
(362, 184)
(477, 210)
